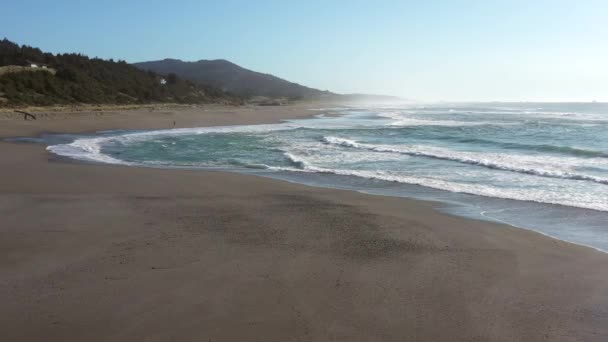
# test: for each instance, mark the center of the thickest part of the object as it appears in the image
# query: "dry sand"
(110, 253)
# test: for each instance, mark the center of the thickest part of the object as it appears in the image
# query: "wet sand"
(111, 253)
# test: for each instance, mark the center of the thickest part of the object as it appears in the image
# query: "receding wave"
(85, 149)
(90, 149)
(483, 160)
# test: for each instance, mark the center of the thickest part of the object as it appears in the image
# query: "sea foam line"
(465, 158)
(301, 164)
(401, 120)
(91, 148)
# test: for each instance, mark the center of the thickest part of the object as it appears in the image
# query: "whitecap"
(579, 200)
(545, 166)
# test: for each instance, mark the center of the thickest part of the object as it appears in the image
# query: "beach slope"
(110, 253)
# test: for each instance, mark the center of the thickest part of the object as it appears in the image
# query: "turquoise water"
(540, 166)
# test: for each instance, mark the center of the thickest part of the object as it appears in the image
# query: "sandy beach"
(110, 253)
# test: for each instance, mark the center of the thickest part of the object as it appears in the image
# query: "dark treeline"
(80, 79)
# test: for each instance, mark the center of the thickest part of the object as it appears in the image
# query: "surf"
(487, 160)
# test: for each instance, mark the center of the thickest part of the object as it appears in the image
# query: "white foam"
(402, 117)
(579, 200)
(544, 166)
(85, 149)
(402, 120)
(90, 149)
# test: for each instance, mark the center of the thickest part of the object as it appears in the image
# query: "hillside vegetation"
(80, 79)
(233, 78)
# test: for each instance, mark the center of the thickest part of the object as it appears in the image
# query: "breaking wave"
(487, 160)
(580, 200)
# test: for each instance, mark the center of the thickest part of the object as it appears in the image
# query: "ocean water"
(540, 166)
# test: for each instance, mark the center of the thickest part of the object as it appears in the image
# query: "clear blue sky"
(431, 50)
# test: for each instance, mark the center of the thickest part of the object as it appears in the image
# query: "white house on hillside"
(35, 65)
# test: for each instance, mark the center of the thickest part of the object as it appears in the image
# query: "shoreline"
(437, 202)
(82, 121)
(312, 256)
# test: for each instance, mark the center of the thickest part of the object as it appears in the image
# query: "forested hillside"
(233, 78)
(76, 78)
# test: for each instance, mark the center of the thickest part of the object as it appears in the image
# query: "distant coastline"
(30, 77)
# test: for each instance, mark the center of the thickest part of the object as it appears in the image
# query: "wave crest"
(539, 196)
(477, 159)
